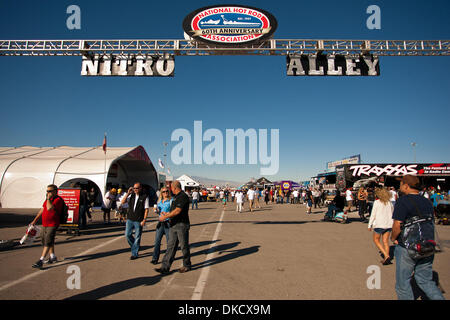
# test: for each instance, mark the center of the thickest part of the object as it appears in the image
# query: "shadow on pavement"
(231, 254)
(117, 287)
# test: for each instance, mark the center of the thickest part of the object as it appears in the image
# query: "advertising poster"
(72, 199)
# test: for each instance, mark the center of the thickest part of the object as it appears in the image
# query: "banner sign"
(72, 199)
(350, 160)
(128, 65)
(332, 65)
(229, 24)
(370, 170)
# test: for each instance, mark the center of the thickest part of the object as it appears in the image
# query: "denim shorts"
(381, 230)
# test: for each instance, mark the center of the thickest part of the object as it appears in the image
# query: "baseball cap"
(411, 181)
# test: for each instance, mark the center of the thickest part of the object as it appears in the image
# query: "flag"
(168, 171)
(104, 144)
(160, 163)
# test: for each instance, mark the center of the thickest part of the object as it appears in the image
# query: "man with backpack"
(51, 213)
(414, 254)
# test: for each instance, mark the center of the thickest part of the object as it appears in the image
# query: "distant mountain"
(216, 182)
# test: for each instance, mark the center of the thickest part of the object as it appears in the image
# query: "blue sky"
(45, 101)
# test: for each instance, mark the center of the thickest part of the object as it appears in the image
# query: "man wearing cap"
(405, 207)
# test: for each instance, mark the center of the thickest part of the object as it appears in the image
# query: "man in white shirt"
(295, 196)
(251, 198)
(239, 200)
(393, 196)
(195, 196)
(349, 199)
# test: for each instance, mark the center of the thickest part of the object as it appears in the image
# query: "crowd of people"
(387, 210)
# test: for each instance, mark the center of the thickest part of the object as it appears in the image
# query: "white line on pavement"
(201, 283)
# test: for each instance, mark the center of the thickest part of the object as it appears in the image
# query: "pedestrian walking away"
(179, 230)
(309, 201)
(109, 199)
(195, 198)
(239, 200)
(349, 199)
(138, 206)
(51, 213)
(362, 203)
(408, 206)
(381, 223)
(163, 227)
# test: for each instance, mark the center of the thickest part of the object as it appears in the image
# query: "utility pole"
(413, 144)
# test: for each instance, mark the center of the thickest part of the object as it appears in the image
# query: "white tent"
(26, 171)
(187, 181)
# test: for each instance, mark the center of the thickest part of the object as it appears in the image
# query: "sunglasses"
(165, 191)
(51, 190)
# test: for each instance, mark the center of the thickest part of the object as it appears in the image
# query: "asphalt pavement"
(278, 252)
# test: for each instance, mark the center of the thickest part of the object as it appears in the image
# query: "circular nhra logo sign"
(229, 24)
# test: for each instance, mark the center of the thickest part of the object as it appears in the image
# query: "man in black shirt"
(179, 230)
(407, 207)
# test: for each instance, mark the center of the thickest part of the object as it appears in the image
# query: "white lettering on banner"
(390, 170)
(332, 65)
(128, 65)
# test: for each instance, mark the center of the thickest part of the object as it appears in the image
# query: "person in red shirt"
(50, 212)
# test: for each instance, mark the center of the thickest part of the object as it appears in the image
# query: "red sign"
(72, 199)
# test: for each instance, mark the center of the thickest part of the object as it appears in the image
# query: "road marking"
(168, 283)
(201, 283)
(35, 274)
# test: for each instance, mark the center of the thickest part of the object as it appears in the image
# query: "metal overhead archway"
(195, 48)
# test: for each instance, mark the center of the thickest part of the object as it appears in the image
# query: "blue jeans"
(332, 210)
(163, 229)
(423, 273)
(133, 241)
(195, 202)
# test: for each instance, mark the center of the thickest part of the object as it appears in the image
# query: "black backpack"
(417, 235)
(64, 213)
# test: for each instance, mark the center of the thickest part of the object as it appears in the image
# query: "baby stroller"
(443, 212)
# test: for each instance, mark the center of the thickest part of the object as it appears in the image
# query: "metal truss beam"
(194, 48)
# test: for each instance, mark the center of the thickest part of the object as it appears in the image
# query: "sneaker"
(154, 262)
(52, 260)
(38, 264)
(133, 257)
